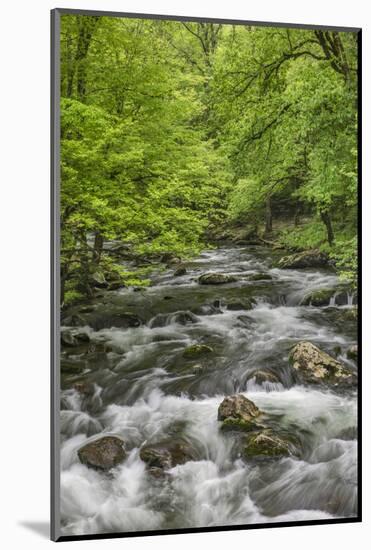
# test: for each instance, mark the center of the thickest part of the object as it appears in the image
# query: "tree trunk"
(268, 216)
(98, 247)
(297, 213)
(86, 30)
(70, 66)
(325, 217)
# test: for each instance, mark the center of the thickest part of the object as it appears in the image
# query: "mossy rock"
(301, 260)
(318, 298)
(237, 424)
(315, 366)
(166, 454)
(216, 279)
(180, 271)
(267, 444)
(196, 350)
(237, 412)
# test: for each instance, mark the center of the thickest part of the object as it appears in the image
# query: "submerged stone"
(196, 349)
(103, 454)
(216, 279)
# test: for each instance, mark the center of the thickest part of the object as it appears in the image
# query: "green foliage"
(170, 129)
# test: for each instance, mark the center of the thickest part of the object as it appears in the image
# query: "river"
(146, 391)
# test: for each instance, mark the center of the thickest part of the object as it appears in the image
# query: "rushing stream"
(146, 391)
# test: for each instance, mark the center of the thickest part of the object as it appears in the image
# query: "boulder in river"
(103, 454)
(71, 338)
(308, 258)
(195, 350)
(216, 279)
(166, 454)
(85, 389)
(267, 444)
(180, 271)
(237, 412)
(316, 366)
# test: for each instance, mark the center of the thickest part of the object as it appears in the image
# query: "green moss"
(319, 297)
(230, 424)
(196, 349)
(266, 444)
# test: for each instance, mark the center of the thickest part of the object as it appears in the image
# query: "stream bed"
(144, 388)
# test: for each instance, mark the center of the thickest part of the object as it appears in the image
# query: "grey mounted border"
(55, 273)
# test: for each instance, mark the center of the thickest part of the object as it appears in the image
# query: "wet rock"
(183, 317)
(319, 298)
(352, 352)
(196, 350)
(166, 454)
(103, 454)
(180, 317)
(260, 277)
(316, 366)
(245, 320)
(267, 444)
(67, 338)
(170, 259)
(237, 305)
(71, 338)
(86, 389)
(103, 317)
(216, 279)
(238, 413)
(180, 271)
(309, 258)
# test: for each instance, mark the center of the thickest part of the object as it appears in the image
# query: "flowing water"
(145, 391)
